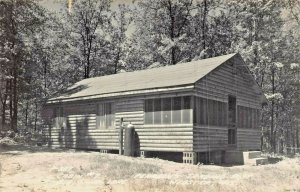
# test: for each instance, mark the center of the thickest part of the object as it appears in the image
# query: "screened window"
(157, 111)
(186, 112)
(175, 110)
(149, 111)
(232, 110)
(166, 108)
(58, 112)
(210, 112)
(176, 113)
(59, 117)
(248, 117)
(105, 115)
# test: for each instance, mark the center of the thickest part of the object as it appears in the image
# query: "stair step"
(256, 161)
(254, 154)
(261, 161)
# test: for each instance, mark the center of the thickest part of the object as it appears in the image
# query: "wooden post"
(129, 146)
(121, 137)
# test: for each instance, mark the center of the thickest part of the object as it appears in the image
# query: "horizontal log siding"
(154, 137)
(173, 138)
(209, 138)
(81, 131)
(248, 139)
(224, 81)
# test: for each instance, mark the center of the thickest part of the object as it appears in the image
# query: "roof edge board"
(116, 94)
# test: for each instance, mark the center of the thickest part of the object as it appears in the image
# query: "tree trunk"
(297, 138)
(205, 10)
(36, 115)
(172, 32)
(26, 114)
(10, 104)
(4, 104)
(272, 136)
(15, 98)
(117, 61)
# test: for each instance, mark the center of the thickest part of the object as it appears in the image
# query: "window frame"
(171, 112)
(107, 113)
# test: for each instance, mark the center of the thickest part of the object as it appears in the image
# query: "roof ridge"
(165, 76)
(165, 66)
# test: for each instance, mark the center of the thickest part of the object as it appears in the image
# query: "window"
(248, 117)
(186, 112)
(58, 112)
(166, 108)
(59, 117)
(232, 111)
(105, 116)
(210, 112)
(175, 110)
(149, 111)
(157, 111)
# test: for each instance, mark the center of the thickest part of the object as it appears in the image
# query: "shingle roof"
(167, 76)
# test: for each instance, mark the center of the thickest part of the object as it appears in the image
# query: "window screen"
(105, 115)
(186, 112)
(149, 111)
(172, 110)
(176, 111)
(157, 111)
(166, 108)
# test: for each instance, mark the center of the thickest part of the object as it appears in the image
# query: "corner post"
(121, 137)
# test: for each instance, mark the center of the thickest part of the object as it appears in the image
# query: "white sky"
(56, 5)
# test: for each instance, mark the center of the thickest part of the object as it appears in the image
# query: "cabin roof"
(181, 74)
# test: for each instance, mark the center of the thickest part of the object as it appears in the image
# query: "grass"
(121, 169)
(91, 171)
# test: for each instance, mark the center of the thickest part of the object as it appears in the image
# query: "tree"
(119, 26)
(161, 29)
(87, 29)
(266, 48)
(18, 20)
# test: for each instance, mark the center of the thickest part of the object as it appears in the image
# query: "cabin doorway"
(232, 120)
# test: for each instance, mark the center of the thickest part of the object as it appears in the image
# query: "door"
(231, 120)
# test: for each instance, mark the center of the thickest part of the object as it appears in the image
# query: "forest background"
(44, 50)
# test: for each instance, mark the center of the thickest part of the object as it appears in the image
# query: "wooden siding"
(209, 138)
(81, 130)
(176, 138)
(248, 139)
(153, 137)
(229, 79)
(223, 82)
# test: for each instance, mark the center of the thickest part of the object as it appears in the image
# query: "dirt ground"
(43, 170)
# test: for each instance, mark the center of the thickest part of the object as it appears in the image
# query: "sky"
(56, 5)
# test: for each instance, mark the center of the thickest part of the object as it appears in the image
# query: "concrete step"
(256, 161)
(262, 161)
(254, 154)
(251, 154)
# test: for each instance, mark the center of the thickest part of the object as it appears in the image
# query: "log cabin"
(188, 112)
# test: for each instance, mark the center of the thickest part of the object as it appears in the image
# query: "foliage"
(43, 52)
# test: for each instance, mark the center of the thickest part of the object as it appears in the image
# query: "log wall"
(229, 79)
(78, 128)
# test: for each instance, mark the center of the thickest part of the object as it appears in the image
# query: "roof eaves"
(124, 93)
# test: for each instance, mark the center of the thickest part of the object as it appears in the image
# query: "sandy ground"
(41, 170)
